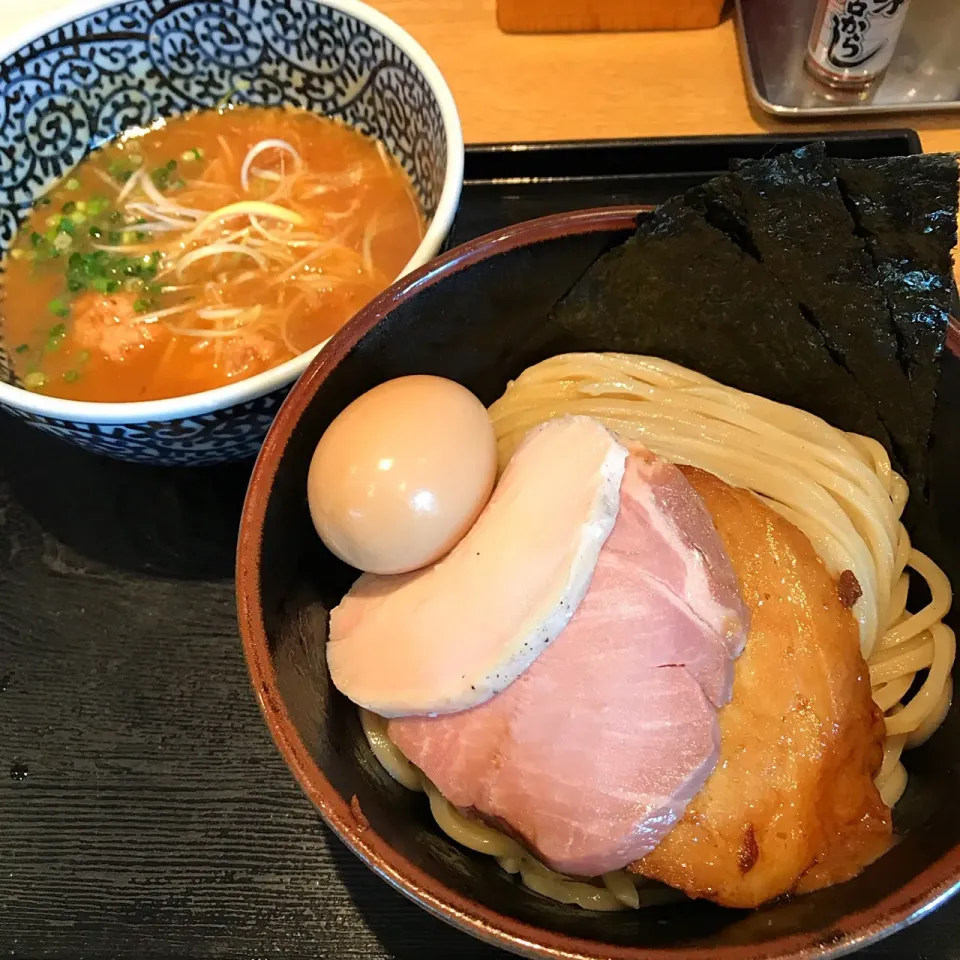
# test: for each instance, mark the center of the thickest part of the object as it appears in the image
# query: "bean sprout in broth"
(203, 250)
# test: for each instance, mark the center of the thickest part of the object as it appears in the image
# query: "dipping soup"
(203, 250)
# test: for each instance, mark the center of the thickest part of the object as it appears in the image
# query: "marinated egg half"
(402, 473)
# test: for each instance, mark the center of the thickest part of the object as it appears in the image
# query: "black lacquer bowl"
(479, 315)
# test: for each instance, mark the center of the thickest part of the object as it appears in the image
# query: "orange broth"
(139, 278)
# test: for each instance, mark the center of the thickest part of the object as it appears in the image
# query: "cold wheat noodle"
(837, 488)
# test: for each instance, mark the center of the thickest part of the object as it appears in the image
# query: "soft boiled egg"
(402, 473)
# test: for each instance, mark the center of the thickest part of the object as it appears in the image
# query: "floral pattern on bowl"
(126, 64)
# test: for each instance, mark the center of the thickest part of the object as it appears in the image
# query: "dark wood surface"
(144, 811)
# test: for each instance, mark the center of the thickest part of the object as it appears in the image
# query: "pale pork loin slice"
(680, 548)
(595, 751)
(449, 637)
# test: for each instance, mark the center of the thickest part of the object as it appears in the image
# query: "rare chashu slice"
(451, 636)
(792, 805)
(593, 754)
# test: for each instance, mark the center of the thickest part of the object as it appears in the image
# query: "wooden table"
(579, 86)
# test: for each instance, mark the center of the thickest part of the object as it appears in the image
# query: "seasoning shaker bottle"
(852, 41)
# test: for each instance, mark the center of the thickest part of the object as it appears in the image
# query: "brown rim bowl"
(479, 315)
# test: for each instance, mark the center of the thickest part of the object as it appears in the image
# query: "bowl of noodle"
(197, 195)
(710, 393)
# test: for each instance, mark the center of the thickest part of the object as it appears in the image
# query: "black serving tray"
(144, 811)
(506, 183)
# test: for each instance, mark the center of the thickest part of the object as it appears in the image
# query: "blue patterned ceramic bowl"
(100, 67)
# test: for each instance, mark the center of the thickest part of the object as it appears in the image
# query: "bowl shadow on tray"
(178, 522)
(481, 327)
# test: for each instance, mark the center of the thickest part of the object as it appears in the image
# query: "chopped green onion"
(44, 202)
(70, 375)
(66, 225)
(162, 175)
(195, 154)
(141, 305)
(238, 87)
(57, 333)
(119, 171)
(73, 184)
(59, 309)
(23, 348)
(96, 233)
(35, 380)
(36, 239)
(97, 206)
(108, 272)
(136, 159)
(69, 207)
(63, 242)
(114, 237)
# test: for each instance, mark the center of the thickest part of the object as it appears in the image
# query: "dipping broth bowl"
(479, 315)
(98, 68)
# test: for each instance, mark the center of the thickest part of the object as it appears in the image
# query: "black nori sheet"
(905, 208)
(797, 224)
(682, 290)
(719, 203)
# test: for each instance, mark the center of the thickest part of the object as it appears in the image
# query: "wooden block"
(569, 16)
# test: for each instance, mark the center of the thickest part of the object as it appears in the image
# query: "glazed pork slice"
(451, 636)
(595, 751)
(792, 805)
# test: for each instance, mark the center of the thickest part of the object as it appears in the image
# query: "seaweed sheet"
(682, 290)
(719, 203)
(905, 208)
(788, 212)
